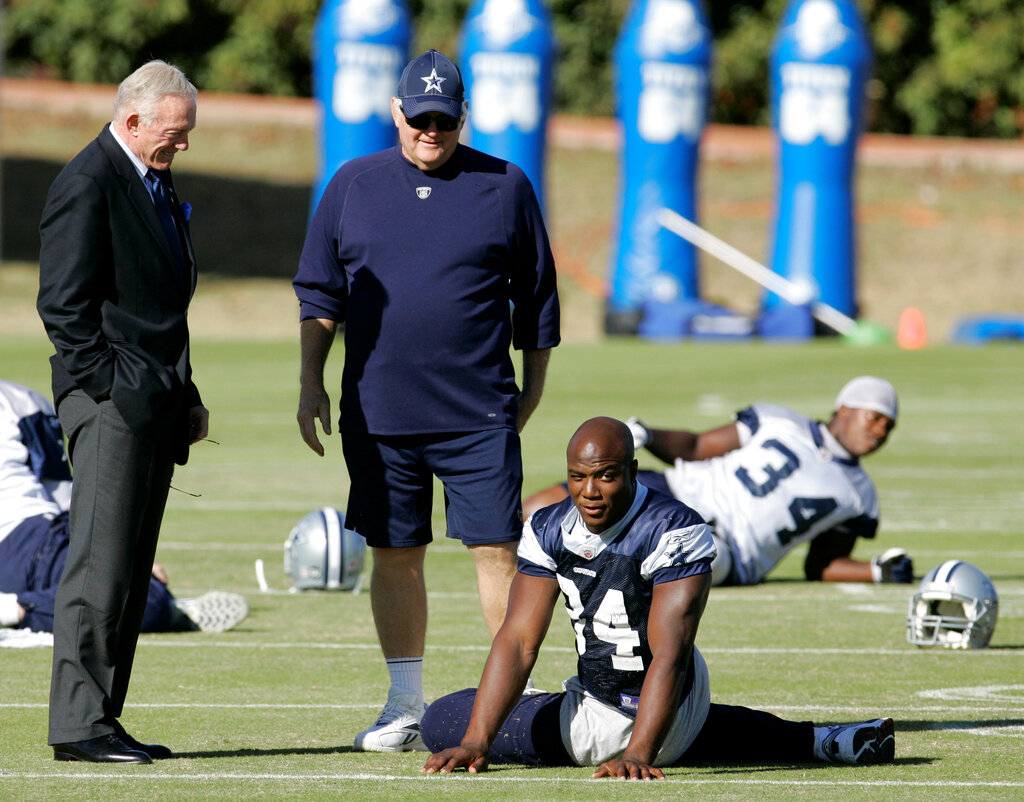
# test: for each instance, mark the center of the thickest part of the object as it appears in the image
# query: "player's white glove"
(894, 565)
(641, 434)
(10, 616)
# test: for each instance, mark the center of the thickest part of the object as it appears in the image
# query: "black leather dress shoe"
(104, 749)
(155, 751)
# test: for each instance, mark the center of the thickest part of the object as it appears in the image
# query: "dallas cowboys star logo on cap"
(433, 81)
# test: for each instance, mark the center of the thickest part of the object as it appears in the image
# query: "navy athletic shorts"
(391, 493)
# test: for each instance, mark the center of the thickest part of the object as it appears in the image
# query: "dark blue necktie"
(162, 201)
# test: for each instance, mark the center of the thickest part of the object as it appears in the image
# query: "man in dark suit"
(116, 273)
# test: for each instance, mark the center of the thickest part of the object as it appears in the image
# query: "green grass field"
(269, 710)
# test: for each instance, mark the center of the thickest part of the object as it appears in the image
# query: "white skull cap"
(869, 392)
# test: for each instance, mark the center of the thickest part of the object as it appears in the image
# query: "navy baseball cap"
(431, 82)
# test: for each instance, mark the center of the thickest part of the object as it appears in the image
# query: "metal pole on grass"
(790, 291)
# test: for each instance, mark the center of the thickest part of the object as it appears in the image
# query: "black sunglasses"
(421, 122)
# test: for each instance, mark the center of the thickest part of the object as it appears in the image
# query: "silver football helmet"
(321, 554)
(956, 606)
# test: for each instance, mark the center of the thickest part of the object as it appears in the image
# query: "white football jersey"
(34, 475)
(788, 482)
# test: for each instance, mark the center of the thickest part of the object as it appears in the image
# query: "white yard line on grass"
(219, 705)
(959, 519)
(213, 545)
(492, 779)
(969, 554)
(980, 654)
(191, 504)
(1011, 707)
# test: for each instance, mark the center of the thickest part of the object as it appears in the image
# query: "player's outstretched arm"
(668, 445)
(846, 569)
(893, 566)
(676, 609)
(828, 560)
(531, 601)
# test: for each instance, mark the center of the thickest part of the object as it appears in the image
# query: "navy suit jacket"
(111, 298)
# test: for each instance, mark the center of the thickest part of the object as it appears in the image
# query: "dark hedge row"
(943, 67)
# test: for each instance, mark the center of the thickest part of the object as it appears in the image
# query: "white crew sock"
(406, 677)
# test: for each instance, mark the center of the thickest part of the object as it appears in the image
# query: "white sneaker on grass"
(858, 744)
(216, 611)
(397, 728)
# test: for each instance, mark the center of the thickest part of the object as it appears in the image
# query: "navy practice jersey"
(608, 580)
(788, 483)
(435, 274)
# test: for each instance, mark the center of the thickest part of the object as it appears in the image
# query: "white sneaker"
(858, 744)
(216, 611)
(397, 729)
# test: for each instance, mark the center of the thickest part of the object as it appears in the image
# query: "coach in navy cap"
(436, 258)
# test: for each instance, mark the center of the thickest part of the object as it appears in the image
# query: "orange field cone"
(911, 332)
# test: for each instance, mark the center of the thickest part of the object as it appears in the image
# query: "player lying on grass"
(634, 567)
(774, 479)
(35, 490)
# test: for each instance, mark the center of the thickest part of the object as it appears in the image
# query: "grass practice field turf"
(269, 710)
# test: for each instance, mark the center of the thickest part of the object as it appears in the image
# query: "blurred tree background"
(942, 67)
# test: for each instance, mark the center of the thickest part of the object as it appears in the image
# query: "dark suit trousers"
(118, 497)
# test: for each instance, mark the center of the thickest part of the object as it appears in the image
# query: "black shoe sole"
(67, 756)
